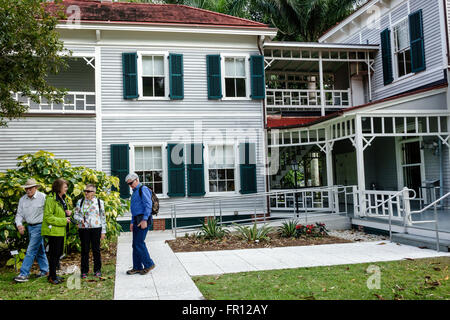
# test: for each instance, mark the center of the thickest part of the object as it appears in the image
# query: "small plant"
(311, 230)
(211, 229)
(288, 229)
(254, 233)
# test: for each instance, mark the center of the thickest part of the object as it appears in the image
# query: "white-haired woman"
(91, 220)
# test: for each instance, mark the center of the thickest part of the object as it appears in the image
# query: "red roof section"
(279, 121)
(97, 11)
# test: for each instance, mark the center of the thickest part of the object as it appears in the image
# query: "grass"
(39, 289)
(421, 279)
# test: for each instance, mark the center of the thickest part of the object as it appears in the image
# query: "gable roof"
(98, 11)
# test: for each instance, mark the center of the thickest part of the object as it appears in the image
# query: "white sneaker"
(21, 278)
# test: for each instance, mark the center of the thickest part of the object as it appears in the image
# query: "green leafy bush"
(311, 230)
(45, 168)
(253, 233)
(288, 229)
(212, 229)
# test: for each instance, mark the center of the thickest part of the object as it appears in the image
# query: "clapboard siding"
(68, 138)
(195, 87)
(433, 47)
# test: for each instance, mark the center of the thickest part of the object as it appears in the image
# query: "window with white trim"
(402, 49)
(148, 164)
(235, 77)
(153, 76)
(221, 168)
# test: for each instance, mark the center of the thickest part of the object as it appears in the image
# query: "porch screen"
(214, 77)
(129, 70)
(176, 170)
(176, 76)
(247, 163)
(257, 76)
(120, 167)
(386, 54)
(417, 41)
(195, 170)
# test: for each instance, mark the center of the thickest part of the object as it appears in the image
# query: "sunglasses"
(130, 183)
(88, 191)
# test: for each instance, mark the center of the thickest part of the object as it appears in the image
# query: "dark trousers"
(141, 257)
(55, 251)
(90, 238)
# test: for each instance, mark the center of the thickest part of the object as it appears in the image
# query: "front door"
(412, 165)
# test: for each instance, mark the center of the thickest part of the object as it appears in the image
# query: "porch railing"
(386, 204)
(73, 101)
(292, 98)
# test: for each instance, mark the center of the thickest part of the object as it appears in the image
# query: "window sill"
(236, 99)
(153, 99)
(220, 194)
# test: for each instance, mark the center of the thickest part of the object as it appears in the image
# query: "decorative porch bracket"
(445, 141)
(89, 61)
(367, 143)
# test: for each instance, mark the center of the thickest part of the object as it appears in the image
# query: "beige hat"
(30, 183)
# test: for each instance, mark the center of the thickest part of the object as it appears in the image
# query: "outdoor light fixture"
(294, 165)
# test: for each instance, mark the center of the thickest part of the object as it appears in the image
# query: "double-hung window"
(402, 48)
(148, 164)
(235, 77)
(153, 75)
(221, 168)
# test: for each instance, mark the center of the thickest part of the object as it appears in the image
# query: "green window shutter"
(386, 55)
(176, 170)
(416, 39)
(214, 76)
(176, 76)
(247, 163)
(120, 166)
(257, 77)
(195, 170)
(129, 69)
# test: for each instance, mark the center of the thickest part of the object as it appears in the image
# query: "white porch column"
(322, 90)
(360, 162)
(329, 157)
(98, 109)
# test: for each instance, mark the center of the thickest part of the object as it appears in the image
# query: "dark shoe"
(83, 276)
(21, 278)
(147, 270)
(56, 281)
(98, 274)
(133, 271)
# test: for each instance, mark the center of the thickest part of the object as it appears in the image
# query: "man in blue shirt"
(141, 220)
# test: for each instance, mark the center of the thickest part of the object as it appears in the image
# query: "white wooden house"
(367, 106)
(370, 100)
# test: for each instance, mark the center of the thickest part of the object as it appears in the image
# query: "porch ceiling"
(304, 66)
(321, 46)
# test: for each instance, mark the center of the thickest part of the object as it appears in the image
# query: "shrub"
(45, 168)
(311, 230)
(288, 229)
(212, 229)
(254, 233)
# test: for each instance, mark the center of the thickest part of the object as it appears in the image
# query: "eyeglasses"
(88, 191)
(130, 183)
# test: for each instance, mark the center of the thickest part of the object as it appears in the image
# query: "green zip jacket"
(55, 220)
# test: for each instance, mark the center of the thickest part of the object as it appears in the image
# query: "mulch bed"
(232, 242)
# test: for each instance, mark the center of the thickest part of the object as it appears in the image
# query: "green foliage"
(253, 233)
(45, 168)
(212, 229)
(17, 260)
(289, 179)
(29, 51)
(288, 229)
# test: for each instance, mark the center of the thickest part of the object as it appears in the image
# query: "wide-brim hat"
(30, 183)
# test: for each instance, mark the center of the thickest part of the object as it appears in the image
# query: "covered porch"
(79, 79)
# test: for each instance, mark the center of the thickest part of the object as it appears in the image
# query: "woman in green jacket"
(56, 217)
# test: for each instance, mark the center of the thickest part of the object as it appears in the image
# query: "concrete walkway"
(171, 279)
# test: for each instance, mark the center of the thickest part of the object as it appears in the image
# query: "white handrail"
(393, 196)
(431, 204)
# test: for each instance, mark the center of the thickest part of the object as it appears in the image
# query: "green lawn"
(39, 289)
(406, 280)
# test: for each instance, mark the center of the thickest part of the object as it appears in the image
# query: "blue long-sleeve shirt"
(141, 205)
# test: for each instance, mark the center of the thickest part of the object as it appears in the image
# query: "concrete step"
(421, 241)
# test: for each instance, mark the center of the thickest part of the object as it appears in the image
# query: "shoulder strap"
(99, 205)
(140, 190)
(81, 203)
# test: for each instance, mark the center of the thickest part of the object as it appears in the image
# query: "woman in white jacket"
(89, 215)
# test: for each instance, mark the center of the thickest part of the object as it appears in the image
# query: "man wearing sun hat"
(31, 211)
